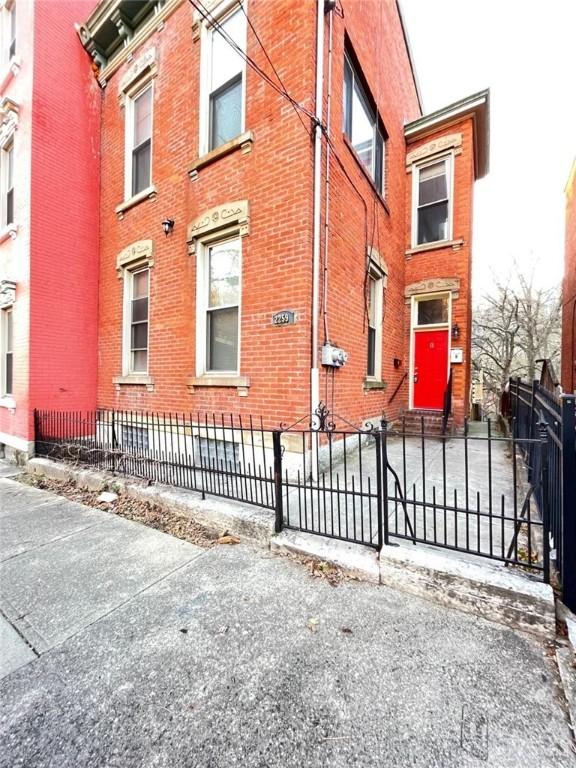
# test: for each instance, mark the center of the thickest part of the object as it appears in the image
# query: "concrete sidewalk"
(147, 651)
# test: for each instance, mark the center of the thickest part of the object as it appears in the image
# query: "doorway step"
(412, 421)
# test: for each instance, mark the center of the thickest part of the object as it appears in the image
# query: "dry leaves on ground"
(138, 510)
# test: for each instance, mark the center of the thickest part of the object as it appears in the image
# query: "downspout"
(327, 185)
(314, 371)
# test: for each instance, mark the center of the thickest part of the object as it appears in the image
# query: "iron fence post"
(379, 488)
(545, 510)
(384, 480)
(278, 501)
(568, 501)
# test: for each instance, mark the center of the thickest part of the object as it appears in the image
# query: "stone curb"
(216, 514)
(493, 593)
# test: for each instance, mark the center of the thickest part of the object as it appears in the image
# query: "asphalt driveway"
(122, 646)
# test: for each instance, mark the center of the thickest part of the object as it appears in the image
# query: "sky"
(525, 52)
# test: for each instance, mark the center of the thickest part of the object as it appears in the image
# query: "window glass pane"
(8, 384)
(226, 113)
(140, 361)
(433, 184)
(371, 351)
(141, 168)
(214, 452)
(348, 79)
(433, 223)
(433, 311)
(140, 336)
(224, 274)
(143, 117)
(140, 284)
(362, 130)
(139, 310)
(222, 339)
(9, 338)
(10, 168)
(12, 43)
(135, 438)
(372, 302)
(225, 61)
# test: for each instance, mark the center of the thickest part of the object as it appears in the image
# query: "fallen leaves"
(320, 569)
(228, 539)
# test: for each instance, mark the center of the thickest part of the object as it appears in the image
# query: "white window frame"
(129, 273)
(219, 14)
(202, 275)
(4, 394)
(379, 279)
(415, 328)
(416, 168)
(130, 98)
(7, 7)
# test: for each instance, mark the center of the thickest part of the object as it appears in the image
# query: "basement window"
(134, 438)
(215, 453)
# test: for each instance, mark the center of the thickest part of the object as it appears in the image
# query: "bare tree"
(513, 327)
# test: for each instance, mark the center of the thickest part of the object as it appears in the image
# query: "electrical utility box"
(333, 356)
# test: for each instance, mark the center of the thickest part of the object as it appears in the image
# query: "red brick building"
(569, 290)
(268, 268)
(49, 186)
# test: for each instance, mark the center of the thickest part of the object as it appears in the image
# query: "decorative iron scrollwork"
(321, 421)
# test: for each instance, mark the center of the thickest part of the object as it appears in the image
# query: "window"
(138, 142)
(433, 311)
(361, 126)
(8, 184)
(215, 452)
(7, 353)
(432, 194)
(219, 306)
(136, 322)
(11, 27)
(225, 78)
(374, 309)
(134, 438)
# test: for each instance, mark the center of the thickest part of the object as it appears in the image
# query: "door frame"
(414, 329)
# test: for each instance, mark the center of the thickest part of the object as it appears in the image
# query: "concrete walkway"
(131, 648)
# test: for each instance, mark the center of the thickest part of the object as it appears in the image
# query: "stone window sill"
(9, 231)
(9, 71)
(364, 170)
(147, 194)
(454, 244)
(8, 402)
(209, 380)
(243, 141)
(134, 379)
(370, 384)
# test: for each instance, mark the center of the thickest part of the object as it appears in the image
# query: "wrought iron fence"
(218, 455)
(370, 485)
(532, 409)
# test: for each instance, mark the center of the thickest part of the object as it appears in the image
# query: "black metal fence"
(535, 409)
(370, 485)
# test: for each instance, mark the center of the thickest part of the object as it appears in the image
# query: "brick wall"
(276, 178)
(569, 291)
(64, 213)
(451, 262)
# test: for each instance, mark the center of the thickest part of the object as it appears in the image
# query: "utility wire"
(207, 16)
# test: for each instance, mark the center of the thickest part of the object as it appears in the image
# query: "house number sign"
(284, 317)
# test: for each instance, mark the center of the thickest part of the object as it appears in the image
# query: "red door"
(430, 368)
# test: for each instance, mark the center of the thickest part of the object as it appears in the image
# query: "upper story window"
(136, 321)
(222, 110)
(361, 125)
(432, 204)
(7, 182)
(138, 142)
(12, 31)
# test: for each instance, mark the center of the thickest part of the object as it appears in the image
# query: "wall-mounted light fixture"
(455, 331)
(168, 226)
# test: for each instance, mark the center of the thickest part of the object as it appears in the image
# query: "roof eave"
(476, 107)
